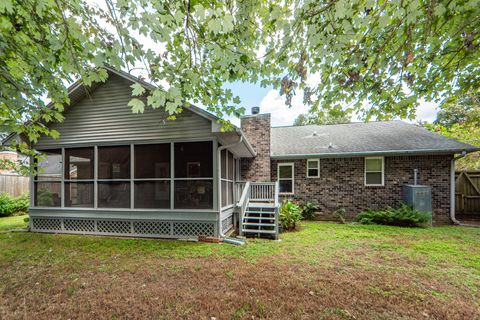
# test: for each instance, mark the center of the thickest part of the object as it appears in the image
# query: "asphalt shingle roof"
(383, 137)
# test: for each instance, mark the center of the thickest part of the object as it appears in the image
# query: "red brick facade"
(341, 184)
(257, 130)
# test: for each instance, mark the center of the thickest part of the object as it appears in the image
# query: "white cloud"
(281, 114)
(427, 111)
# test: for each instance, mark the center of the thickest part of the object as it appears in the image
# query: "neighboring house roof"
(360, 139)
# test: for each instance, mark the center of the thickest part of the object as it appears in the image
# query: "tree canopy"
(321, 118)
(374, 58)
(458, 118)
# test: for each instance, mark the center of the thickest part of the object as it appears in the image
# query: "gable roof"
(361, 139)
(78, 91)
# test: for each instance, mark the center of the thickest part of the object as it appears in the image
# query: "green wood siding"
(103, 117)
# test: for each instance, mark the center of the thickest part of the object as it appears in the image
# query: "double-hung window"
(374, 171)
(285, 178)
(313, 168)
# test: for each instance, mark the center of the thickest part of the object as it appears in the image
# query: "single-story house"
(113, 172)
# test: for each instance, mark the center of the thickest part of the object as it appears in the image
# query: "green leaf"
(137, 105)
(138, 89)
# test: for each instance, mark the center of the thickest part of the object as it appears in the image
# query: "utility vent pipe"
(415, 174)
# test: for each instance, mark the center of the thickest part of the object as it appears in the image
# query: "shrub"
(404, 216)
(20, 205)
(308, 209)
(290, 214)
(340, 215)
(13, 206)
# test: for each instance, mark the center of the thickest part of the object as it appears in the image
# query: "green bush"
(20, 205)
(290, 214)
(404, 216)
(13, 206)
(308, 209)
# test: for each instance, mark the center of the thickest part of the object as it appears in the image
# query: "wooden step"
(258, 231)
(259, 218)
(259, 212)
(261, 205)
(259, 224)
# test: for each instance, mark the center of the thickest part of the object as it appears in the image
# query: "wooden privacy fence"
(14, 185)
(467, 193)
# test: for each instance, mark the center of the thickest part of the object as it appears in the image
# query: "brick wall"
(257, 131)
(341, 184)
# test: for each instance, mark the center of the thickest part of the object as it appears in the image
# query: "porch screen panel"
(228, 168)
(114, 177)
(78, 174)
(193, 180)
(152, 176)
(47, 186)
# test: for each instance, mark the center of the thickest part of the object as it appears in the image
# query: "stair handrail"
(277, 208)
(242, 204)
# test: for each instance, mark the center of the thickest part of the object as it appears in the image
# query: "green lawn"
(322, 271)
(12, 223)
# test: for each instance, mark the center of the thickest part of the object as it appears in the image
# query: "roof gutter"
(452, 193)
(247, 144)
(368, 153)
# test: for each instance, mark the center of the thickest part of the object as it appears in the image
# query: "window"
(193, 179)
(313, 168)
(374, 171)
(47, 185)
(285, 178)
(78, 173)
(114, 177)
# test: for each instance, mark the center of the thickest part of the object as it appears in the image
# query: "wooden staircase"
(259, 210)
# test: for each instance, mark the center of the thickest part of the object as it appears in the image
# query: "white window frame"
(286, 164)
(318, 168)
(365, 172)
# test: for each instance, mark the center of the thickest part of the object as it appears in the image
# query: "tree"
(458, 118)
(459, 110)
(375, 58)
(321, 119)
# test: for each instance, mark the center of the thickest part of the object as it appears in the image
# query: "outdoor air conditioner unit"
(418, 196)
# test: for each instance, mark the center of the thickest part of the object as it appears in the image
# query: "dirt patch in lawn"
(345, 286)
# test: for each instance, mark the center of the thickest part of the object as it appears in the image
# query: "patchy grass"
(322, 271)
(12, 223)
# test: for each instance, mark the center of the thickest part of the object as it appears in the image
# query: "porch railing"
(262, 191)
(267, 192)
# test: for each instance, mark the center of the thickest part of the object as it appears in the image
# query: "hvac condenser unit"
(418, 196)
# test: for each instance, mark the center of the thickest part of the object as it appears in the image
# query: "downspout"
(219, 184)
(452, 192)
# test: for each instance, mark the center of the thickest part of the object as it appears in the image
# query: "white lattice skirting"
(227, 223)
(132, 228)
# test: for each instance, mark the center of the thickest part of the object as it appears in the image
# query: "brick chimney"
(256, 128)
